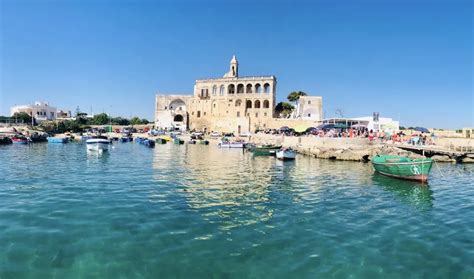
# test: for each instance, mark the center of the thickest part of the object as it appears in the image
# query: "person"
(371, 135)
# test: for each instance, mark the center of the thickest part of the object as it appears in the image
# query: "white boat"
(98, 143)
(286, 154)
(231, 144)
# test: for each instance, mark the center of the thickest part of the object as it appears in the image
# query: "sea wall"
(347, 149)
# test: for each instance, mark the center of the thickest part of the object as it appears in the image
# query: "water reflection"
(411, 192)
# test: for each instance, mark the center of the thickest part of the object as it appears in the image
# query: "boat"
(226, 143)
(57, 140)
(149, 143)
(20, 139)
(125, 139)
(286, 154)
(98, 143)
(160, 141)
(264, 150)
(403, 167)
(178, 141)
(203, 141)
(5, 140)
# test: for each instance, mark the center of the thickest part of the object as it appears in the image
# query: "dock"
(457, 154)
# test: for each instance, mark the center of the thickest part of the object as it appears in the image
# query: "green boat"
(265, 150)
(403, 167)
(178, 141)
(160, 141)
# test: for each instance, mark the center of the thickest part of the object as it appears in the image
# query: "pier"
(458, 154)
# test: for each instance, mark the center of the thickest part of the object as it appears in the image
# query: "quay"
(466, 153)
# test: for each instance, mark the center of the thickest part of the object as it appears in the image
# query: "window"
(199, 113)
(309, 102)
(238, 103)
(266, 88)
(240, 88)
(238, 114)
(266, 104)
(258, 88)
(214, 105)
(214, 90)
(257, 104)
(192, 113)
(249, 88)
(248, 104)
(221, 90)
(166, 107)
(309, 114)
(231, 89)
(204, 113)
(264, 114)
(256, 114)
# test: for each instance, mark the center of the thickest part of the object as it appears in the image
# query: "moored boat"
(57, 140)
(403, 167)
(178, 141)
(226, 143)
(98, 143)
(286, 154)
(5, 140)
(160, 141)
(264, 150)
(149, 143)
(203, 141)
(20, 139)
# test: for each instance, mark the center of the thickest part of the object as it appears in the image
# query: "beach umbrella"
(421, 129)
(358, 126)
(301, 128)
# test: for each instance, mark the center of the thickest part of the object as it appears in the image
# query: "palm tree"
(294, 97)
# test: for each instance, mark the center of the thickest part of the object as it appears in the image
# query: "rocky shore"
(355, 149)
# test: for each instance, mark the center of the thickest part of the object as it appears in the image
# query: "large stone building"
(229, 104)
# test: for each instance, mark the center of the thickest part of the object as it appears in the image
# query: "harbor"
(174, 209)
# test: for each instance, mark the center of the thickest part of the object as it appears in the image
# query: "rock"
(467, 160)
(442, 158)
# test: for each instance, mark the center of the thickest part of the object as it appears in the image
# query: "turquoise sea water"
(198, 211)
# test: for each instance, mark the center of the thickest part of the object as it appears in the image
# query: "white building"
(381, 124)
(41, 111)
(309, 108)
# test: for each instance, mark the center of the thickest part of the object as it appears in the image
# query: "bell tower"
(234, 68)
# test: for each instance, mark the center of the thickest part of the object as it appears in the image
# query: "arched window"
(258, 88)
(266, 88)
(248, 104)
(178, 118)
(257, 104)
(240, 88)
(231, 89)
(266, 104)
(221, 90)
(214, 90)
(249, 88)
(238, 103)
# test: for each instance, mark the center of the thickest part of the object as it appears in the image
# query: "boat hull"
(265, 151)
(417, 170)
(99, 145)
(57, 140)
(286, 155)
(231, 145)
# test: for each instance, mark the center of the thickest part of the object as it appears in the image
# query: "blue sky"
(410, 60)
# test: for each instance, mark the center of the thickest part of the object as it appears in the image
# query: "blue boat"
(57, 140)
(149, 143)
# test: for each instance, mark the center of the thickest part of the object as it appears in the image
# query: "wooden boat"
(20, 140)
(149, 143)
(178, 141)
(98, 143)
(161, 141)
(226, 143)
(203, 141)
(125, 139)
(264, 150)
(403, 167)
(57, 140)
(5, 140)
(286, 154)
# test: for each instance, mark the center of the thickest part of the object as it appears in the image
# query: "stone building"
(233, 103)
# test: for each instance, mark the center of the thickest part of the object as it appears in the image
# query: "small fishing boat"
(286, 154)
(264, 150)
(403, 167)
(178, 141)
(125, 139)
(98, 143)
(160, 141)
(149, 143)
(226, 143)
(5, 140)
(203, 141)
(20, 139)
(57, 140)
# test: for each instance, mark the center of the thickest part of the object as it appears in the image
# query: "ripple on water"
(175, 211)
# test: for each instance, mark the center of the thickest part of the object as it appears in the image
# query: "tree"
(22, 117)
(295, 96)
(145, 121)
(100, 119)
(120, 121)
(135, 121)
(284, 109)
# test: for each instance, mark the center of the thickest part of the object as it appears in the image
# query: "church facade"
(228, 104)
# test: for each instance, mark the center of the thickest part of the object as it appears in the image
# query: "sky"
(409, 60)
